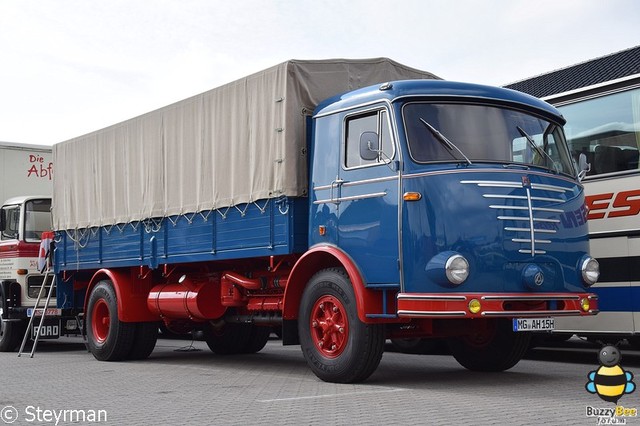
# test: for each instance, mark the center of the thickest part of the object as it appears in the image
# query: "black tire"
(146, 336)
(258, 338)
(230, 339)
(11, 332)
(497, 348)
(417, 345)
(337, 346)
(108, 338)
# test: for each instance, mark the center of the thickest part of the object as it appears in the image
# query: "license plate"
(51, 312)
(534, 324)
(49, 330)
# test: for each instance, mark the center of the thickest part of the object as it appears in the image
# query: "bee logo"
(610, 381)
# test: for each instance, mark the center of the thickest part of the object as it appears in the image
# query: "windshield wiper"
(444, 141)
(541, 152)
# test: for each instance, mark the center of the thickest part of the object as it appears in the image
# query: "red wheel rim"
(100, 320)
(329, 326)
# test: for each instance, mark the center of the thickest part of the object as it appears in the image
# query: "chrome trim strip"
(431, 313)
(357, 182)
(546, 187)
(326, 201)
(542, 231)
(530, 313)
(527, 251)
(363, 196)
(405, 296)
(509, 197)
(494, 184)
(509, 207)
(322, 187)
(367, 181)
(535, 219)
(534, 298)
(547, 209)
(527, 240)
(351, 198)
(551, 200)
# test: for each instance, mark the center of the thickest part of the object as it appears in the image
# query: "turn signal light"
(584, 303)
(412, 196)
(475, 306)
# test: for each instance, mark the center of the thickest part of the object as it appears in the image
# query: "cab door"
(366, 193)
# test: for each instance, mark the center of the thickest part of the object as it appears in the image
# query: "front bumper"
(495, 305)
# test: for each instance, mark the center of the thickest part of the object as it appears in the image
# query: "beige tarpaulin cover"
(237, 143)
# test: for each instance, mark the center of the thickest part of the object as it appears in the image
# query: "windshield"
(37, 219)
(484, 133)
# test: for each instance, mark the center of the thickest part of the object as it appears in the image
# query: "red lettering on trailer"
(594, 204)
(625, 203)
(628, 199)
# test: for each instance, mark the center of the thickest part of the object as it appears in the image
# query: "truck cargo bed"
(264, 228)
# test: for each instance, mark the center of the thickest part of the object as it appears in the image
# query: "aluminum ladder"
(47, 273)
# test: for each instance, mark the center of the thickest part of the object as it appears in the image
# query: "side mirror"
(369, 146)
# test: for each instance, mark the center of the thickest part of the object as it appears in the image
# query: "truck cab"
(460, 204)
(22, 222)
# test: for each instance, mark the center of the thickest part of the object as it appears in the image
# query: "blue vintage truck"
(345, 201)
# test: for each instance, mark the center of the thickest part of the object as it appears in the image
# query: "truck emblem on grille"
(539, 279)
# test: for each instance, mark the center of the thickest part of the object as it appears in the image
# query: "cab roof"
(438, 90)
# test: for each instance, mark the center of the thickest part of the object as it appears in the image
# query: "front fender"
(327, 256)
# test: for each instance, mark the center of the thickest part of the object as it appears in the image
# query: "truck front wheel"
(338, 347)
(108, 338)
(492, 347)
(11, 331)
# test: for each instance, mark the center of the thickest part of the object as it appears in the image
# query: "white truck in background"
(26, 173)
(25, 170)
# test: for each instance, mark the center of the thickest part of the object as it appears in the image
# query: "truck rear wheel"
(495, 347)
(258, 338)
(417, 345)
(108, 338)
(146, 336)
(230, 339)
(338, 347)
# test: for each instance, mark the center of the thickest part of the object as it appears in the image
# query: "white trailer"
(25, 170)
(26, 173)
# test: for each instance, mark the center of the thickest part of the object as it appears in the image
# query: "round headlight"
(590, 269)
(456, 269)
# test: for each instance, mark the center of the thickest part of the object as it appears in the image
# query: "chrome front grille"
(525, 206)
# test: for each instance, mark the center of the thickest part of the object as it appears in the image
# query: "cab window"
(11, 216)
(368, 140)
(604, 132)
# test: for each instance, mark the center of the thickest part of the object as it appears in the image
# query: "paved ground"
(184, 384)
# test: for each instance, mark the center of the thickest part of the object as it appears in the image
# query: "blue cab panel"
(482, 214)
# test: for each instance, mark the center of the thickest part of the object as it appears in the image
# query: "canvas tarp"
(238, 143)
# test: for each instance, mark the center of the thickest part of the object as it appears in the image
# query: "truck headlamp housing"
(590, 269)
(457, 269)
